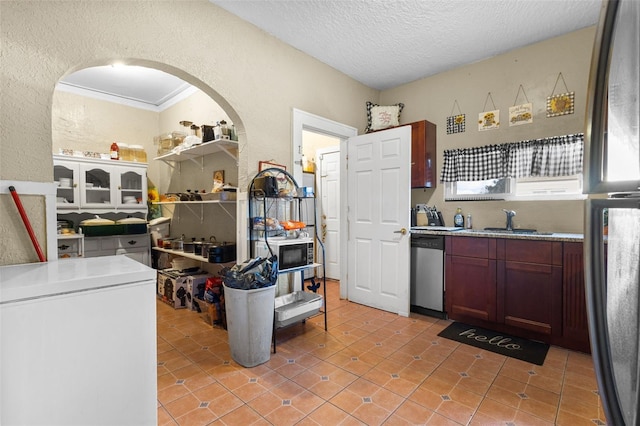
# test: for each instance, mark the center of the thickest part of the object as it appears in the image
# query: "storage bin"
(250, 324)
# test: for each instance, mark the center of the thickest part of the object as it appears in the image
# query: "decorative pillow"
(382, 117)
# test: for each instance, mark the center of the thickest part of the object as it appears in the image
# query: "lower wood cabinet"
(575, 324)
(529, 281)
(470, 278)
(529, 288)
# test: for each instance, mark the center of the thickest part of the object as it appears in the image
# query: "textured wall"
(255, 78)
(536, 68)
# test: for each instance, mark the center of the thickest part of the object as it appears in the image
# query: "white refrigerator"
(612, 214)
(78, 343)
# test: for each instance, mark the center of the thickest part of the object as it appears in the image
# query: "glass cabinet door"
(132, 188)
(66, 176)
(97, 185)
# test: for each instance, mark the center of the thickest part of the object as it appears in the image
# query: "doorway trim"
(303, 120)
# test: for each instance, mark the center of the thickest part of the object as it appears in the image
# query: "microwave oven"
(292, 253)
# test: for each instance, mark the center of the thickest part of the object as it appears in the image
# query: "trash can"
(250, 323)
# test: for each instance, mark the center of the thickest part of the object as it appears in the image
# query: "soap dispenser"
(458, 218)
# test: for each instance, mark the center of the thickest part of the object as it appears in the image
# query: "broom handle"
(27, 224)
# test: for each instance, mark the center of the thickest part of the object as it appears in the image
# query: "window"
(547, 168)
(529, 188)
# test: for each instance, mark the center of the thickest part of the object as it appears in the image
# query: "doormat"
(500, 343)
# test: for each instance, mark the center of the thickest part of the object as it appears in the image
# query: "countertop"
(36, 280)
(542, 236)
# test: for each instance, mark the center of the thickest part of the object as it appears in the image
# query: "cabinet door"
(575, 325)
(423, 154)
(530, 296)
(470, 288)
(530, 285)
(131, 188)
(97, 186)
(66, 175)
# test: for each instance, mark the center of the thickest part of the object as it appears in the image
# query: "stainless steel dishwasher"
(427, 275)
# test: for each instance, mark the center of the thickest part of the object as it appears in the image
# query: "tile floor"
(371, 367)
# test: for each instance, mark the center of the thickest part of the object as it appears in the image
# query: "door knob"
(402, 231)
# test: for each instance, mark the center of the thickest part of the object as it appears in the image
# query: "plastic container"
(114, 151)
(458, 218)
(250, 324)
(138, 154)
(125, 152)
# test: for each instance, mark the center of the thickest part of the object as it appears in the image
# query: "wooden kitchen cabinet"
(575, 331)
(470, 278)
(529, 285)
(423, 154)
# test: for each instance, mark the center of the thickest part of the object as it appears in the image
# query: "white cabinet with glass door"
(100, 185)
(66, 175)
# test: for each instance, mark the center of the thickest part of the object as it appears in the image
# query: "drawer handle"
(132, 242)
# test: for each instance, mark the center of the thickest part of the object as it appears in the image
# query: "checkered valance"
(555, 156)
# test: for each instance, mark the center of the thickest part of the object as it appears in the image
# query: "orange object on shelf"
(292, 224)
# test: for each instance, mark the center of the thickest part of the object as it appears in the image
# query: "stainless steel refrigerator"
(612, 215)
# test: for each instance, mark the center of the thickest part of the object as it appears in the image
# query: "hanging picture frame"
(456, 123)
(489, 120)
(520, 114)
(560, 104)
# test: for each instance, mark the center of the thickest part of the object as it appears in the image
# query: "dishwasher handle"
(434, 242)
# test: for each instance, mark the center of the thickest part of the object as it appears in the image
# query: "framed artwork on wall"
(263, 165)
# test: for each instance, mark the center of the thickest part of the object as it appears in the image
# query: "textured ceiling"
(380, 43)
(385, 43)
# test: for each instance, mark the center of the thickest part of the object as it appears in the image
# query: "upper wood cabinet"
(423, 154)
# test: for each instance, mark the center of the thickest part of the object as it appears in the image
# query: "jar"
(224, 130)
(138, 154)
(125, 152)
(114, 151)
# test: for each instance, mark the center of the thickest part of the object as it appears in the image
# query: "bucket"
(250, 324)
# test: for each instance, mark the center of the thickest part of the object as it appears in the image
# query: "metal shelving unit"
(294, 306)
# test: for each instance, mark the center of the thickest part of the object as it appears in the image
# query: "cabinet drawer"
(541, 252)
(483, 248)
(131, 241)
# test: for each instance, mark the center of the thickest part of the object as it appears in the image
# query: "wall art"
(561, 104)
(456, 123)
(489, 120)
(523, 113)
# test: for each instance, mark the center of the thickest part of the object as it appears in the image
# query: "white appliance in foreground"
(612, 270)
(78, 343)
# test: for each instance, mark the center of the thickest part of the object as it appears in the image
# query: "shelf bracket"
(226, 211)
(195, 161)
(170, 164)
(228, 152)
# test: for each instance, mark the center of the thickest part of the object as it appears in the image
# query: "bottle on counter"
(468, 224)
(114, 151)
(458, 218)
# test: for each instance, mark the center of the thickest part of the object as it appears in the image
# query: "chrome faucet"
(510, 215)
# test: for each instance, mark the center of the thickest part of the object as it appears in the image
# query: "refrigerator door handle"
(596, 294)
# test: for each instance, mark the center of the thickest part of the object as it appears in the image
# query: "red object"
(115, 151)
(27, 224)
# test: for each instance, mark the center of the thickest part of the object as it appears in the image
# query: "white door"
(379, 198)
(329, 226)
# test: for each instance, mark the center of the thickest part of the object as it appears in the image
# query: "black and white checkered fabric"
(554, 156)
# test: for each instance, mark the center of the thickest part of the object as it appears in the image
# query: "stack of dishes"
(129, 199)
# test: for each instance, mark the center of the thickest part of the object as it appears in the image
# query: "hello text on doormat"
(500, 343)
